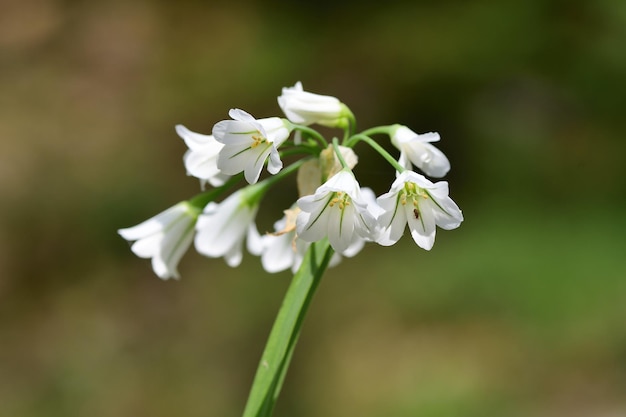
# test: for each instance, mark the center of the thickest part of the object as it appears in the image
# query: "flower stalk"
(286, 330)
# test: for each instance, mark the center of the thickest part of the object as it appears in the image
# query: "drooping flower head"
(248, 143)
(332, 205)
(416, 150)
(416, 201)
(201, 157)
(304, 108)
(338, 211)
(165, 238)
(223, 227)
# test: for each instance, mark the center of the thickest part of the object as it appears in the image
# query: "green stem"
(369, 132)
(284, 334)
(378, 149)
(351, 121)
(299, 150)
(290, 169)
(204, 198)
(311, 132)
(377, 130)
(254, 193)
(339, 155)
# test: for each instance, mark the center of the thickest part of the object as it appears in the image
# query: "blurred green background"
(520, 312)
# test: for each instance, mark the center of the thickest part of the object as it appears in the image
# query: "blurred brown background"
(520, 312)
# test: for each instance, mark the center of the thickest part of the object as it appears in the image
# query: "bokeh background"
(520, 312)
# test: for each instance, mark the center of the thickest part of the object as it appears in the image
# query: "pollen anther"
(257, 140)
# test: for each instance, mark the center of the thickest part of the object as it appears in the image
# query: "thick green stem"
(284, 334)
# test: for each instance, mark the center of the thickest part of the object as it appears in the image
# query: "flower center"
(341, 199)
(257, 140)
(412, 194)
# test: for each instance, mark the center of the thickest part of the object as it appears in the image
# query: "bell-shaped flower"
(222, 227)
(416, 201)
(304, 108)
(248, 143)
(338, 211)
(165, 238)
(416, 150)
(201, 157)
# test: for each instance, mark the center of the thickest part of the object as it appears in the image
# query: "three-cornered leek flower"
(416, 201)
(282, 249)
(304, 108)
(248, 142)
(222, 227)
(416, 150)
(201, 157)
(338, 211)
(165, 238)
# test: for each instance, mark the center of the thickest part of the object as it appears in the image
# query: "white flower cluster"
(332, 204)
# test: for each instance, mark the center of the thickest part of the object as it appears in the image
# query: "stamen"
(257, 140)
(340, 199)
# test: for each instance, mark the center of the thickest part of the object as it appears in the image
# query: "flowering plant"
(332, 217)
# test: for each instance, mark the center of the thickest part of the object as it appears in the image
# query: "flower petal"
(275, 164)
(193, 140)
(152, 225)
(255, 159)
(305, 108)
(254, 241)
(165, 238)
(219, 230)
(222, 228)
(310, 226)
(241, 115)
(234, 133)
(279, 254)
(422, 226)
(147, 247)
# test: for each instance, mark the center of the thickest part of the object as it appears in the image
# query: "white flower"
(164, 238)
(415, 200)
(222, 227)
(201, 157)
(248, 143)
(282, 249)
(338, 211)
(415, 149)
(304, 108)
